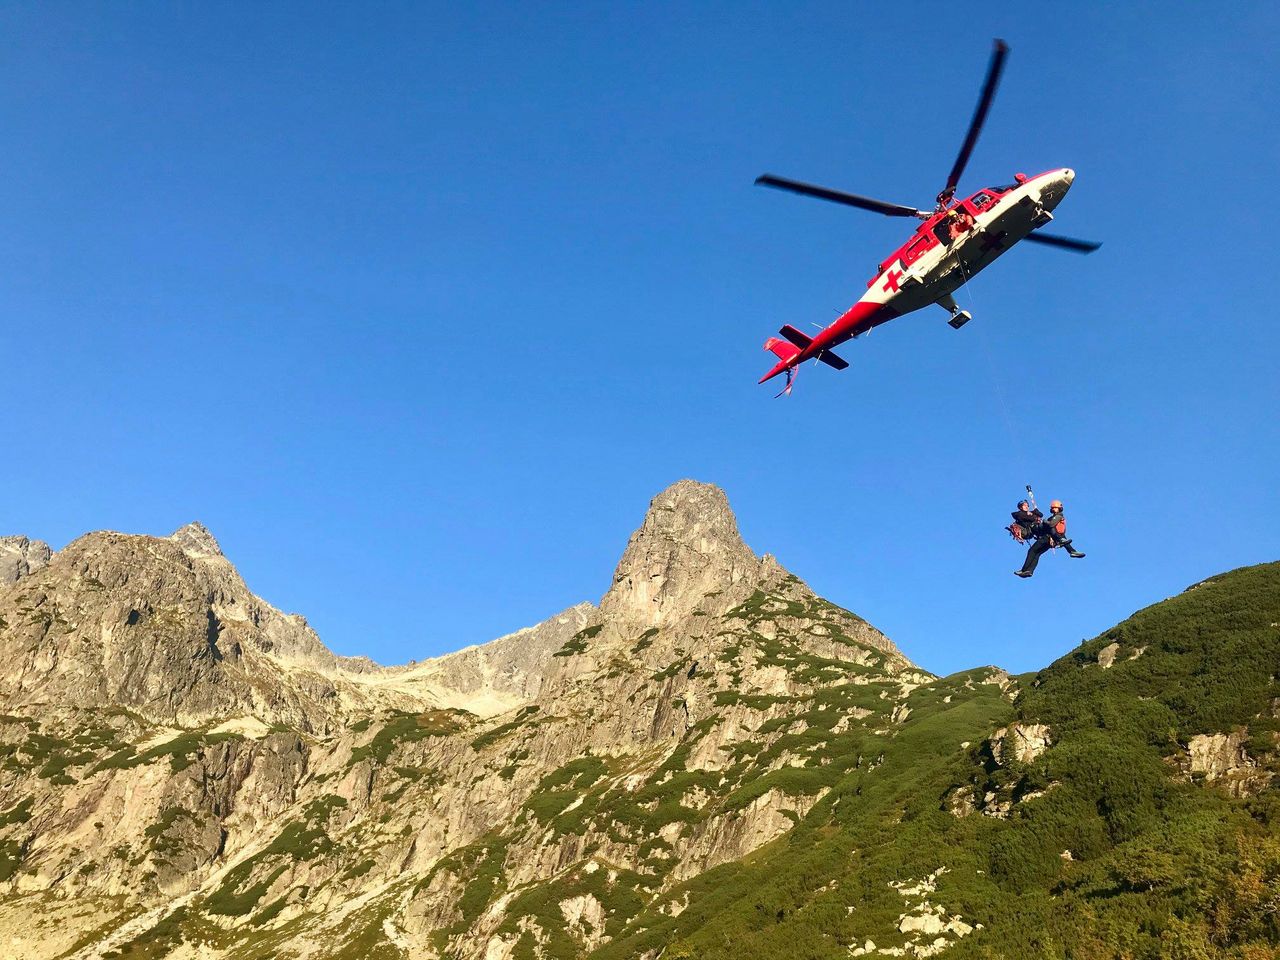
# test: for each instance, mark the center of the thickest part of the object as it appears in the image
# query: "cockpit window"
(1005, 189)
(981, 200)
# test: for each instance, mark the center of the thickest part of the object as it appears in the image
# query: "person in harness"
(961, 223)
(1025, 521)
(1049, 533)
(955, 223)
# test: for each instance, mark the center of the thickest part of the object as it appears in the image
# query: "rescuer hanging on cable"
(1049, 533)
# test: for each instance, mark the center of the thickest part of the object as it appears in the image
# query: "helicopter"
(956, 240)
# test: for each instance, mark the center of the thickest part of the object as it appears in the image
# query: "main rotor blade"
(979, 116)
(1066, 243)
(837, 196)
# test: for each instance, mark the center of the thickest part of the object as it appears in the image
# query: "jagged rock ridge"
(161, 710)
(20, 556)
(712, 714)
(687, 548)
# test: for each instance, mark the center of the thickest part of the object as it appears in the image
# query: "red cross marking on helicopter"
(891, 284)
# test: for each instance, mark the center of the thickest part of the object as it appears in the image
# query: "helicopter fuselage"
(948, 248)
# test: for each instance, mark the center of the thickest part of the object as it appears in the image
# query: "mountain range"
(712, 761)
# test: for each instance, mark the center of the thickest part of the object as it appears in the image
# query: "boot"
(1023, 573)
(1072, 552)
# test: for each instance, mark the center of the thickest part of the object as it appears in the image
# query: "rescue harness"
(1022, 534)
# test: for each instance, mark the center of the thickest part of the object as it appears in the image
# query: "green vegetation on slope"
(802, 745)
(490, 737)
(298, 842)
(1119, 856)
(578, 642)
(404, 727)
(1101, 846)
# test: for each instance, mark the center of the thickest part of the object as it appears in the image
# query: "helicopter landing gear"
(958, 317)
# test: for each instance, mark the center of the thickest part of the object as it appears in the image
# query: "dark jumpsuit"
(1028, 520)
(1046, 537)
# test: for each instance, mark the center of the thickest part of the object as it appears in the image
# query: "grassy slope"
(586, 799)
(1162, 867)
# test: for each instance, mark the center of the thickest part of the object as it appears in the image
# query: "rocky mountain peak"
(171, 740)
(195, 539)
(687, 548)
(20, 556)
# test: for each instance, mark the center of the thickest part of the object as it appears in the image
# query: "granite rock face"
(20, 557)
(687, 549)
(1221, 758)
(165, 627)
(1022, 742)
(182, 757)
(510, 670)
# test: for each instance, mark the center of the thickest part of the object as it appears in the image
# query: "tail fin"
(784, 350)
(786, 354)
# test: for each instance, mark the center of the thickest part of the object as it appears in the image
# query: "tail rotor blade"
(979, 117)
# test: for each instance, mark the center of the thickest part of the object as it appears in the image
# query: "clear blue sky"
(416, 306)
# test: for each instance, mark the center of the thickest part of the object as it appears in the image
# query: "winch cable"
(994, 373)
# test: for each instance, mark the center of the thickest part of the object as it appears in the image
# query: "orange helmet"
(1056, 505)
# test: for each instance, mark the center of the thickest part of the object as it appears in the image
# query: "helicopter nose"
(1056, 185)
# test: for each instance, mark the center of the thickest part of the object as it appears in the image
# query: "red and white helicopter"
(956, 240)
